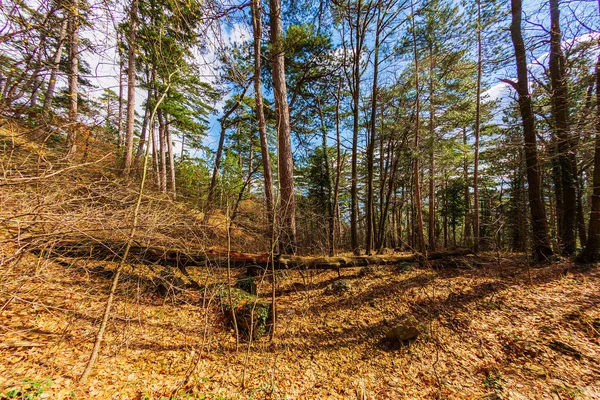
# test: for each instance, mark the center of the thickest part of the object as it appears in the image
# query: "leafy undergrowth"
(494, 330)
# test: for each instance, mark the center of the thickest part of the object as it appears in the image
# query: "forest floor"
(495, 330)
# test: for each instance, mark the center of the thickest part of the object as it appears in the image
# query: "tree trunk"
(155, 163)
(219, 154)
(282, 114)
(580, 133)
(556, 220)
(120, 120)
(181, 258)
(467, 228)
(591, 253)
(560, 112)
(171, 159)
(330, 211)
(355, 88)
(338, 169)
(54, 69)
(431, 153)
(140, 150)
(541, 242)
(131, 75)
(260, 115)
(247, 182)
(73, 75)
(417, 186)
(371, 144)
(163, 152)
(477, 131)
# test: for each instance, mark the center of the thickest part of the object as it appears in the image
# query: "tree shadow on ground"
(499, 278)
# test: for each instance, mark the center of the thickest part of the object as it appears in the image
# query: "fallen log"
(182, 258)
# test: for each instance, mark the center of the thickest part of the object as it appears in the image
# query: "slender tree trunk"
(171, 159)
(155, 162)
(580, 133)
(445, 216)
(247, 182)
(541, 242)
(560, 112)
(591, 253)
(355, 128)
(386, 205)
(163, 152)
(34, 91)
(467, 228)
(120, 120)
(477, 132)
(140, 150)
(330, 210)
(514, 215)
(73, 75)
(580, 218)
(386, 156)
(371, 144)
(260, 115)
(215, 174)
(131, 75)
(417, 185)
(338, 168)
(219, 154)
(431, 152)
(556, 220)
(282, 116)
(54, 69)
(182, 146)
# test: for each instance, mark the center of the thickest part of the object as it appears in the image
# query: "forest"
(367, 199)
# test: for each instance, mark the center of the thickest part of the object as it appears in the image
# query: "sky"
(105, 66)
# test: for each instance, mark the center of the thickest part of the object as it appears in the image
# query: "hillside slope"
(491, 326)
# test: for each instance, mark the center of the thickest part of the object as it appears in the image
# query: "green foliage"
(193, 175)
(494, 381)
(31, 389)
(251, 313)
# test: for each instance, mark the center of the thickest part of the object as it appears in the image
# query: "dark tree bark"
(260, 115)
(355, 89)
(371, 139)
(560, 112)
(338, 172)
(329, 189)
(591, 253)
(431, 221)
(416, 169)
(477, 131)
(282, 115)
(467, 235)
(541, 242)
